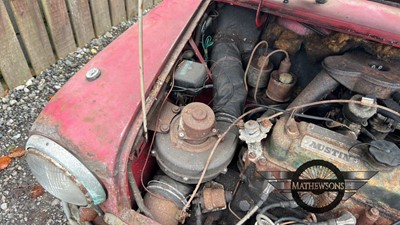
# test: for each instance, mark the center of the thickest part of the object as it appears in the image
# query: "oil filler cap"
(385, 152)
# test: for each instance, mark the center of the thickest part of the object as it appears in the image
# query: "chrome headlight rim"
(67, 162)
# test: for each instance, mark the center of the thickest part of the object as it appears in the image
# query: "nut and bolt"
(181, 134)
(214, 130)
(93, 74)
(164, 128)
(244, 205)
(372, 214)
(176, 109)
(262, 161)
(240, 124)
(185, 179)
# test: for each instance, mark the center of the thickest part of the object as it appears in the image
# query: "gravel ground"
(18, 110)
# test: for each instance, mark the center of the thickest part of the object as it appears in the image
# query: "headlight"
(61, 174)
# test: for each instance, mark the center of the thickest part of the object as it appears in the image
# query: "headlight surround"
(61, 173)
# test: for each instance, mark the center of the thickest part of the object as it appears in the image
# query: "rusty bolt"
(176, 109)
(266, 123)
(262, 161)
(368, 217)
(87, 214)
(291, 128)
(252, 155)
(164, 128)
(240, 124)
(372, 214)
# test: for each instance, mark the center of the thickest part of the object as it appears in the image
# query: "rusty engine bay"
(274, 98)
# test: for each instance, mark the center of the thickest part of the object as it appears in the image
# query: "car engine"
(231, 137)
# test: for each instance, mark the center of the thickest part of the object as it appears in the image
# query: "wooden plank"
(131, 8)
(117, 9)
(101, 16)
(2, 91)
(60, 26)
(147, 4)
(13, 65)
(34, 35)
(81, 21)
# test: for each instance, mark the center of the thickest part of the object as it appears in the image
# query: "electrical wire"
(333, 102)
(283, 204)
(286, 219)
(267, 190)
(266, 61)
(251, 59)
(296, 114)
(288, 222)
(136, 192)
(183, 211)
(193, 195)
(359, 144)
(262, 219)
(396, 223)
(233, 196)
(155, 130)
(141, 68)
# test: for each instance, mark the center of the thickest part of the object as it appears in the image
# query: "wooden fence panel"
(118, 13)
(131, 8)
(101, 16)
(81, 21)
(60, 27)
(13, 65)
(2, 91)
(147, 4)
(33, 32)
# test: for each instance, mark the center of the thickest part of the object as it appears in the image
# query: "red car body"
(100, 121)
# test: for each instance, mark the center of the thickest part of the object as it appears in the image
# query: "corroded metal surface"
(87, 214)
(316, 90)
(344, 16)
(167, 113)
(197, 121)
(368, 217)
(97, 121)
(314, 142)
(213, 197)
(163, 210)
(364, 74)
(280, 86)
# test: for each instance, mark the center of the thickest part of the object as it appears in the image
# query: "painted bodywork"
(370, 20)
(98, 121)
(94, 119)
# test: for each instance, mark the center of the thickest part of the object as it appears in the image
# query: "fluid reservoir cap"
(385, 152)
(198, 120)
